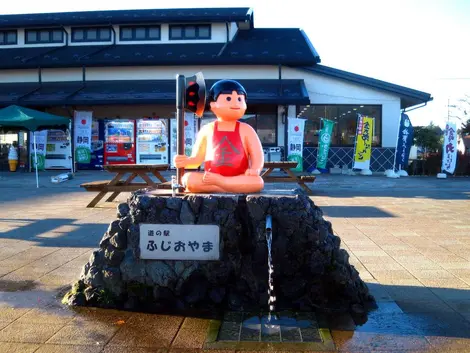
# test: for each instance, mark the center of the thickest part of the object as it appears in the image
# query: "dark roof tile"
(256, 46)
(126, 17)
(139, 91)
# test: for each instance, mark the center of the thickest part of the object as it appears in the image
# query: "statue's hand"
(181, 161)
(252, 172)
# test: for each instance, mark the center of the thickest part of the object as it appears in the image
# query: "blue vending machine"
(97, 147)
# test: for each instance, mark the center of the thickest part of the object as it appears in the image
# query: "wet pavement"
(409, 238)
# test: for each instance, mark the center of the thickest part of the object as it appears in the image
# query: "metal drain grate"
(243, 331)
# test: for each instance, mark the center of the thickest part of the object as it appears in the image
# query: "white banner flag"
(82, 136)
(295, 142)
(41, 144)
(449, 153)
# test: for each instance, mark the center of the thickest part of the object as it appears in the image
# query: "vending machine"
(58, 150)
(97, 147)
(152, 141)
(119, 142)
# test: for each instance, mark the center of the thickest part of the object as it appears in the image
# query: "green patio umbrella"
(15, 118)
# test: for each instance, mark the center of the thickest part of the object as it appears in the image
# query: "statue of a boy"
(231, 151)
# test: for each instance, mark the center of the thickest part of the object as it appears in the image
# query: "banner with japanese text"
(449, 153)
(190, 131)
(41, 143)
(82, 136)
(405, 141)
(324, 142)
(295, 142)
(363, 151)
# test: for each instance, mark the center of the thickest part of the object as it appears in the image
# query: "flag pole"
(36, 159)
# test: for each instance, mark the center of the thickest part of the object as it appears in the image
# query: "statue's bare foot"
(212, 178)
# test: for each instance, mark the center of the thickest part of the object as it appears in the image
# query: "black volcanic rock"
(311, 271)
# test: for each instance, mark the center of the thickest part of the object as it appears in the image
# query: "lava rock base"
(311, 271)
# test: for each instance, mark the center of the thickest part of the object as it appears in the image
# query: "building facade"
(122, 65)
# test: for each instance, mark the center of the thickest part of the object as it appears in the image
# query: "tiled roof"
(140, 92)
(127, 17)
(287, 46)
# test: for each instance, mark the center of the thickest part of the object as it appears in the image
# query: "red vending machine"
(119, 142)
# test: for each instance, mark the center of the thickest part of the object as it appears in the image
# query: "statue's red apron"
(229, 154)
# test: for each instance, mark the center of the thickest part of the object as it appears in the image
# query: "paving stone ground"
(409, 238)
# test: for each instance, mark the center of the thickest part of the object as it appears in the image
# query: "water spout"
(269, 240)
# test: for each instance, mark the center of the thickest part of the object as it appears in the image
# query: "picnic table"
(118, 184)
(289, 178)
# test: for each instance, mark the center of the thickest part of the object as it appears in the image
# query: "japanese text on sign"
(179, 242)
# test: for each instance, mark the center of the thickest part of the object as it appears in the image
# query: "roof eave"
(402, 91)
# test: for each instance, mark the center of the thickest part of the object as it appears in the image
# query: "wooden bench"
(118, 185)
(289, 178)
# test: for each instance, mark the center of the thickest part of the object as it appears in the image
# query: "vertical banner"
(82, 136)
(189, 133)
(365, 130)
(324, 142)
(449, 153)
(405, 141)
(173, 137)
(295, 142)
(41, 143)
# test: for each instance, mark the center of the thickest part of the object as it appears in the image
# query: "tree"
(428, 137)
(465, 129)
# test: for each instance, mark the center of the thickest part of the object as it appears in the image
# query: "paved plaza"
(409, 238)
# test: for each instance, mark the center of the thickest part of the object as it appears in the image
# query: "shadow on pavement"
(355, 212)
(46, 232)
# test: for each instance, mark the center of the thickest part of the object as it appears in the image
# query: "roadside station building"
(121, 65)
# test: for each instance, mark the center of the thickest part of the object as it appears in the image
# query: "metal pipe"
(180, 88)
(269, 223)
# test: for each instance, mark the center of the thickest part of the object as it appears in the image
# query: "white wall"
(233, 29)
(61, 75)
(326, 90)
(170, 72)
(8, 76)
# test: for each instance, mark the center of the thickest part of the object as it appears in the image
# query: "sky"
(420, 44)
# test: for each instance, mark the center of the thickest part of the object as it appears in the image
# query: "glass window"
(31, 36)
(154, 32)
(345, 117)
(78, 35)
(11, 37)
(105, 34)
(176, 32)
(266, 128)
(264, 121)
(8, 37)
(92, 34)
(44, 36)
(204, 32)
(57, 35)
(126, 33)
(140, 33)
(190, 32)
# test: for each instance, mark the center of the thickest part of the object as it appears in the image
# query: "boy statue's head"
(227, 99)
